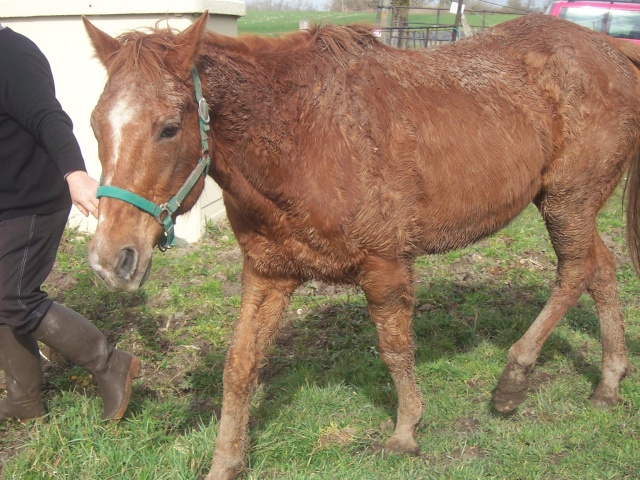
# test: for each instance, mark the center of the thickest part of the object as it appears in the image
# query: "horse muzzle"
(128, 271)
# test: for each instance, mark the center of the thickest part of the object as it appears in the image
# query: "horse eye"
(169, 132)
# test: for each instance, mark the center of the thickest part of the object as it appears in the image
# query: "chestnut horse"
(342, 159)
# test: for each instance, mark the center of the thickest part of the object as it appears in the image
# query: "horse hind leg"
(583, 263)
(513, 384)
(604, 292)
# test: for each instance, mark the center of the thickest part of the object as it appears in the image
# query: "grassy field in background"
(277, 23)
(325, 402)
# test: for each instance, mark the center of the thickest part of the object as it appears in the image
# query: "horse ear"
(104, 44)
(188, 43)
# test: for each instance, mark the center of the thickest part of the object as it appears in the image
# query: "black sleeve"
(27, 94)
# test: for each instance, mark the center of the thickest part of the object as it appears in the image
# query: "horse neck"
(237, 92)
(256, 91)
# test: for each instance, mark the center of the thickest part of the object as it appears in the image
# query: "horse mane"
(144, 51)
(350, 41)
(340, 42)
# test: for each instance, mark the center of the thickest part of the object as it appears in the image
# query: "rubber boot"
(20, 360)
(80, 341)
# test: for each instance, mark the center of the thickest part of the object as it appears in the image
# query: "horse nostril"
(126, 263)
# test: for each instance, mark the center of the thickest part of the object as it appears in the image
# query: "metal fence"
(422, 35)
(417, 36)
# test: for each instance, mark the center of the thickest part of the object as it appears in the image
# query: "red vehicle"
(617, 19)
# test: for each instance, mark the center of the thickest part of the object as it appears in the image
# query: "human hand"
(83, 191)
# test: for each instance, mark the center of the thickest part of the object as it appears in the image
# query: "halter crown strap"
(162, 213)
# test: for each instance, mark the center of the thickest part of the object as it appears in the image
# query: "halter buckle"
(203, 110)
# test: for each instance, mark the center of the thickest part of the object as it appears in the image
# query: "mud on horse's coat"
(339, 160)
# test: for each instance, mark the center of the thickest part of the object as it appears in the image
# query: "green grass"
(326, 403)
(277, 23)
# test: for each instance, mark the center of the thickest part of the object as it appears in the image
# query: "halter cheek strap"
(162, 213)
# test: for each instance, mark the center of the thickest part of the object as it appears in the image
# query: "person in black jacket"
(43, 173)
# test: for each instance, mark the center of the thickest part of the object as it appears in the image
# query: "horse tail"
(632, 185)
(632, 197)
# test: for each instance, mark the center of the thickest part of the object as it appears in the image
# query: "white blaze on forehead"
(119, 116)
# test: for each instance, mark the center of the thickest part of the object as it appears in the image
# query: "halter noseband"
(162, 213)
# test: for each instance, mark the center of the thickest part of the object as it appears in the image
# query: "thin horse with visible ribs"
(342, 159)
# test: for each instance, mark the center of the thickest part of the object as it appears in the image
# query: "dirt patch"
(538, 379)
(12, 438)
(467, 426)
(468, 454)
(336, 436)
(619, 250)
(230, 257)
(231, 288)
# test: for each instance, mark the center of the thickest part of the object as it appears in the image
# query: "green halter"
(162, 213)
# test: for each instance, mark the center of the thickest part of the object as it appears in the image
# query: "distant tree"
(520, 5)
(546, 4)
(530, 5)
(479, 5)
(353, 5)
(400, 12)
(400, 20)
(280, 5)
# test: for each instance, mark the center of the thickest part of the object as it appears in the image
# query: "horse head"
(146, 124)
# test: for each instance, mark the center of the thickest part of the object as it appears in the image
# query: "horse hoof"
(402, 446)
(506, 405)
(512, 388)
(602, 399)
(221, 474)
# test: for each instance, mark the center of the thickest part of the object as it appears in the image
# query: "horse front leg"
(263, 301)
(389, 290)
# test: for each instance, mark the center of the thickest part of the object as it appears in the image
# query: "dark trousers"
(28, 248)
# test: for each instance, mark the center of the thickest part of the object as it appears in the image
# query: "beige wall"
(56, 27)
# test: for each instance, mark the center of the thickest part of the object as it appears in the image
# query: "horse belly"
(474, 211)
(456, 190)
